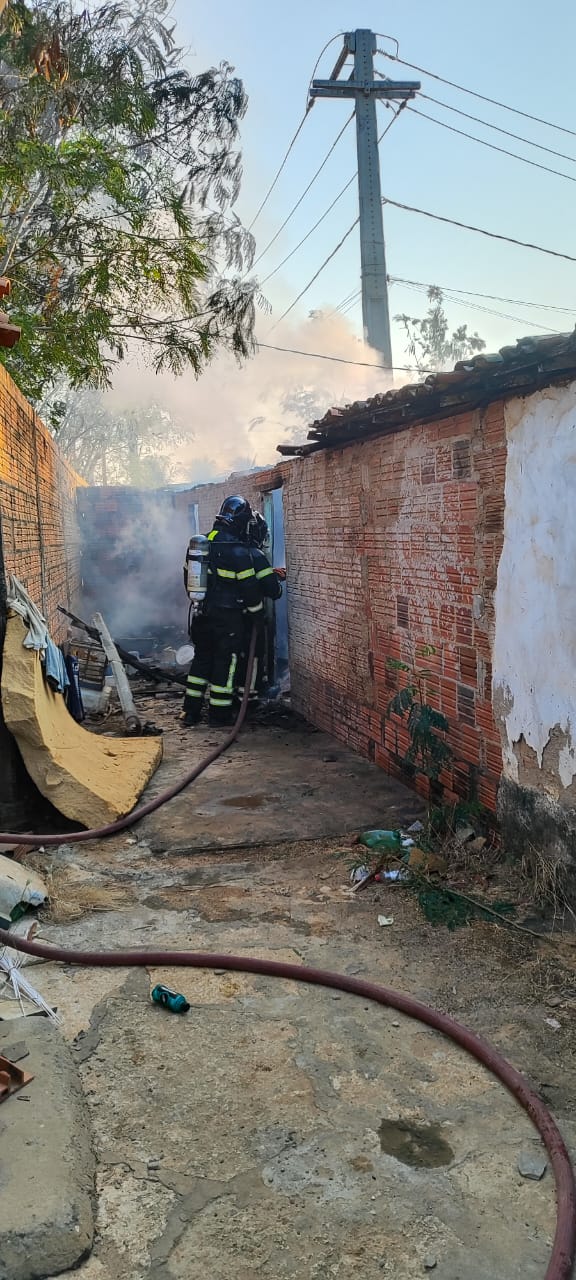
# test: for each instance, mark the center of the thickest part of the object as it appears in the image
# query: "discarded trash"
(19, 888)
(554, 1023)
(184, 655)
(382, 840)
(531, 1166)
(359, 873)
(385, 920)
(397, 874)
(17, 989)
(416, 826)
(429, 861)
(12, 1078)
(171, 1000)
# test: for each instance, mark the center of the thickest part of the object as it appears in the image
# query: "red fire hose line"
(564, 1247)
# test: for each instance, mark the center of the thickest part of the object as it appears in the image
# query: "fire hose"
(564, 1246)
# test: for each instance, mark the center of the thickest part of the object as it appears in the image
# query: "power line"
(492, 297)
(488, 125)
(481, 96)
(492, 145)
(361, 364)
(339, 305)
(326, 211)
(475, 306)
(309, 105)
(492, 235)
(282, 165)
(315, 276)
(304, 193)
(352, 303)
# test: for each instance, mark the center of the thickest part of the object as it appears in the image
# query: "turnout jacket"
(232, 577)
(266, 577)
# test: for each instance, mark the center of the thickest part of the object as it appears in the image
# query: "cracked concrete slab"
(46, 1161)
(245, 1139)
(251, 1138)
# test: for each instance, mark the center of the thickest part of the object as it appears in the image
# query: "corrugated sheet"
(531, 364)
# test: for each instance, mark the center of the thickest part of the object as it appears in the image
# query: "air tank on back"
(197, 568)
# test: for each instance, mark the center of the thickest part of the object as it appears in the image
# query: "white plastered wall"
(534, 654)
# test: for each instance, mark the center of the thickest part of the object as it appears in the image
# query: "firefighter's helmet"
(257, 531)
(234, 515)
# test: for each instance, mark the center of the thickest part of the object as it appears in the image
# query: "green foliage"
(430, 344)
(428, 753)
(118, 174)
(441, 907)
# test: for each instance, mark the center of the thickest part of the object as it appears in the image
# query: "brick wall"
(37, 507)
(393, 544)
(210, 497)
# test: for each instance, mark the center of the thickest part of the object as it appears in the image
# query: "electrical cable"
(564, 1244)
(304, 193)
(130, 820)
(483, 142)
(309, 105)
(473, 94)
(488, 125)
(282, 165)
(351, 304)
(339, 305)
(362, 364)
(328, 210)
(493, 297)
(314, 277)
(475, 306)
(481, 231)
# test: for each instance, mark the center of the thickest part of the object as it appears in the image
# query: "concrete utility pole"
(363, 87)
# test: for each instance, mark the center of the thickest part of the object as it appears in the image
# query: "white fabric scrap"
(19, 601)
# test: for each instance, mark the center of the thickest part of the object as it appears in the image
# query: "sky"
(521, 55)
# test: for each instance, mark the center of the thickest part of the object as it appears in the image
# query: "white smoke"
(237, 415)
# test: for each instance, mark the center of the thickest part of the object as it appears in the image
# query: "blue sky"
(520, 54)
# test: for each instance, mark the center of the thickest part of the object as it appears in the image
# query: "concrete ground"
(284, 1131)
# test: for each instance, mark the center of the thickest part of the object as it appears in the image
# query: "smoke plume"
(236, 416)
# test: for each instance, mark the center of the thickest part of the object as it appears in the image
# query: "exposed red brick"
(433, 500)
(40, 535)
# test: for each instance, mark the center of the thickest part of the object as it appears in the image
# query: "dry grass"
(71, 895)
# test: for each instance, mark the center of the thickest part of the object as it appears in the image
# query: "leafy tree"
(119, 170)
(108, 446)
(430, 343)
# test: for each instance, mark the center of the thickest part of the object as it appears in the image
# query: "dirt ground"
(278, 1130)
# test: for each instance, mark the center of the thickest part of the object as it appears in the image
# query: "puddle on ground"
(244, 802)
(419, 1145)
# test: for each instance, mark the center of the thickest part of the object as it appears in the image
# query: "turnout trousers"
(217, 637)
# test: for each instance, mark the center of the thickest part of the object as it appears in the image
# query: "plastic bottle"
(171, 1000)
(382, 840)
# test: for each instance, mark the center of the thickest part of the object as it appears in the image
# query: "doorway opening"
(278, 656)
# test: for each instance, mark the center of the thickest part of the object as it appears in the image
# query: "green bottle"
(171, 1000)
(382, 841)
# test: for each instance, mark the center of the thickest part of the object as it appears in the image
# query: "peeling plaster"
(534, 654)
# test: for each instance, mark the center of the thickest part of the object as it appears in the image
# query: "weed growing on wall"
(428, 752)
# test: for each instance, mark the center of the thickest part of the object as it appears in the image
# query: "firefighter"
(270, 581)
(233, 594)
